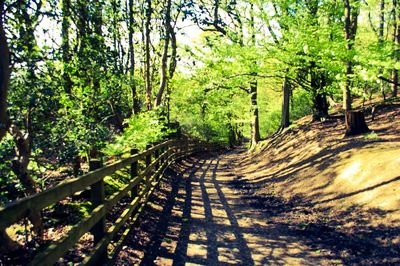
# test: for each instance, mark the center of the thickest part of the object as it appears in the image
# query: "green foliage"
(73, 99)
(301, 104)
(371, 135)
(206, 110)
(141, 130)
(10, 188)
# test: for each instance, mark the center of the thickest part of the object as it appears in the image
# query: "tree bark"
(65, 46)
(7, 243)
(20, 168)
(97, 43)
(350, 26)
(4, 75)
(172, 68)
(118, 120)
(355, 123)
(164, 59)
(255, 121)
(135, 99)
(396, 52)
(285, 119)
(147, 55)
(321, 106)
(174, 53)
(255, 124)
(23, 142)
(381, 40)
(318, 84)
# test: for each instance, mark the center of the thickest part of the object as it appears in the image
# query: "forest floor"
(307, 197)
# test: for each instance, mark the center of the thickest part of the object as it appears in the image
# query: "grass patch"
(371, 135)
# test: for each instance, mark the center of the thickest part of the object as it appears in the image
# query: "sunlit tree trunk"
(135, 99)
(381, 40)
(351, 17)
(255, 120)
(172, 68)
(148, 12)
(396, 40)
(167, 36)
(355, 121)
(255, 124)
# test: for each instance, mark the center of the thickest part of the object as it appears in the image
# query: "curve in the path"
(197, 218)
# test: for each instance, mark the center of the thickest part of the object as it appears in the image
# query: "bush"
(142, 129)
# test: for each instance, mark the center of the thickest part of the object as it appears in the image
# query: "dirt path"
(198, 218)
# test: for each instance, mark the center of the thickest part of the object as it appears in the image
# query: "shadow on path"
(195, 218)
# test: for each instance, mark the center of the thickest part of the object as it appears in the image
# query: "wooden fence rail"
(139, 188)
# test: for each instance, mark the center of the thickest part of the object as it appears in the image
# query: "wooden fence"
(139, 188)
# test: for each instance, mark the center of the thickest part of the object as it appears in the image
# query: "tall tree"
(230, 25)
(255, 119)
(65, 44)
(148, 14)
(24, 140)
(164, 60)
(7, 242)
(135, 100)
(4, 75)
(355, 121)
(352, 10)
(396, 42)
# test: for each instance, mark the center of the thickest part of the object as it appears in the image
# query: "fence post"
(156, 155)
(97, 197)
(134, 173)
(148, 162)
(163, 150)
(177, 150)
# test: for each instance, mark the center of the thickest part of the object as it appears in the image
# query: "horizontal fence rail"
(139, 188)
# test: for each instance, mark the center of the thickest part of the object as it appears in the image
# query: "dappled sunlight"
(311, 197)
(352, 174)
(312, 175)
(206, 225)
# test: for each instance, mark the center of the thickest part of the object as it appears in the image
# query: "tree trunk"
(346, 91)
(118, 120)
(98, 43)
(164, 59)
(255, 125)
(147, 55)
(318, 84)
(355, 123)
(23, 142)
(350, 26)
(172, 68)
(135, 99)
(285, 119)
(4, 75)
(174, 48)
(381, 41)
(321, 106)
(20, 169)
(395, 86)
(65, 47)
(7, 243)
(396, 52)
